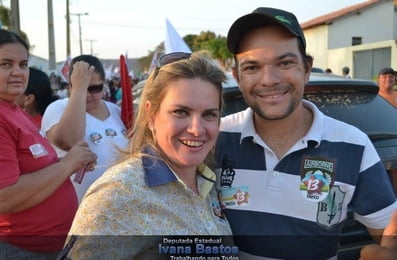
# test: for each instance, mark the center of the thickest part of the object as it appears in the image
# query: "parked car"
(353, 101)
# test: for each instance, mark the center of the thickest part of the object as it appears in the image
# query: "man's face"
(386, 82)
(271, 72)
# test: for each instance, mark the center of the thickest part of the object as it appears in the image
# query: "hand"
(80, 156)
(388, 248)
(81, 75)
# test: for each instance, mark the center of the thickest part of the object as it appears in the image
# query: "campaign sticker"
(235, 196)
(216, 209)
(38, 150)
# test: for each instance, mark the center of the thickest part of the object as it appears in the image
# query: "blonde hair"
(200, 66)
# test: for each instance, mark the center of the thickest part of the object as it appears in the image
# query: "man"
(345, 72)
(287, 172)
(386, 82)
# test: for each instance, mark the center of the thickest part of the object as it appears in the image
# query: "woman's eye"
(5, 65)
(211, 116)
(180, 112)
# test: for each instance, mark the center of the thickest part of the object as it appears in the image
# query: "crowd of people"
(278, 178)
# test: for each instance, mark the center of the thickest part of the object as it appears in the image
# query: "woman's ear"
(29, 100)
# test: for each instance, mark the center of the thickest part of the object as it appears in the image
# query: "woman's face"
(94, 98)
(187, 123)
(14, 71)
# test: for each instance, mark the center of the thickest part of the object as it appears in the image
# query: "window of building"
(356, 40)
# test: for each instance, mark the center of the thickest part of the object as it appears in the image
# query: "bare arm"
(71, 126)
(33, 188)
(376, 234)
(388, 248)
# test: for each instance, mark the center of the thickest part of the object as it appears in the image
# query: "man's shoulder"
(234, 122)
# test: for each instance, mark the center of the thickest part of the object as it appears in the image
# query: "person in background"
(85, 115)
(37, 199)
(63, 91)
(328, 71)
(345, 72)
(288, 173)
(115, 89)
(386, 81)
(37, 96)
(162, 186)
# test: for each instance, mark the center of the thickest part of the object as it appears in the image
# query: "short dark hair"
(39, 85)
(11, 37)
(92, 60)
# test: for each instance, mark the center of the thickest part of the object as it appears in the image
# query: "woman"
(162, 187)
(85, 115)
(37, 199)
(37, 96)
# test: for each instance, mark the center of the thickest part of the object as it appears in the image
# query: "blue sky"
(115, 27)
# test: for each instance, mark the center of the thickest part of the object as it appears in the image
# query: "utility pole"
(67, 29)
(51, 37)
(91, 46)
(81, 44)
(15, 24)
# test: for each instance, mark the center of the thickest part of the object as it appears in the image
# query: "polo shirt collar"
(157, 172)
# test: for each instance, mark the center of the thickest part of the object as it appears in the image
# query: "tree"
(217, 47)
(5, 19)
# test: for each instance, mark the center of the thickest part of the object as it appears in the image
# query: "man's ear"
(235, 76)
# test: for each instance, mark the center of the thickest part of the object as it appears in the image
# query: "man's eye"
(250, 68)
(286, 63)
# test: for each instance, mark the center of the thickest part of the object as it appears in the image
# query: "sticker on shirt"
(227, 177)
(330, 210)
(316, 179)
(95, 137)
(110, 132)
(124, 132)
(38, 150)
(234, 197)
(217, 210)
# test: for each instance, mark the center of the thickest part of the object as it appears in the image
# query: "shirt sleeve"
(8, 157)
(53, 114)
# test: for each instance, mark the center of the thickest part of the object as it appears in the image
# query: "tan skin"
(388, 248)
(33, 188)
(272, 76)
(27, 103)
(186, 126)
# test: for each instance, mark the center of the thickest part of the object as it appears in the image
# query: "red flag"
(127, 108)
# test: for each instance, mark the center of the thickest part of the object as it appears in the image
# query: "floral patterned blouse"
(128, 212)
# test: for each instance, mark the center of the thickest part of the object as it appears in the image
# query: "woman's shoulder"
(126, 172)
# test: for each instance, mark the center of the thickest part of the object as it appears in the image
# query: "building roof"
(329, 18)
